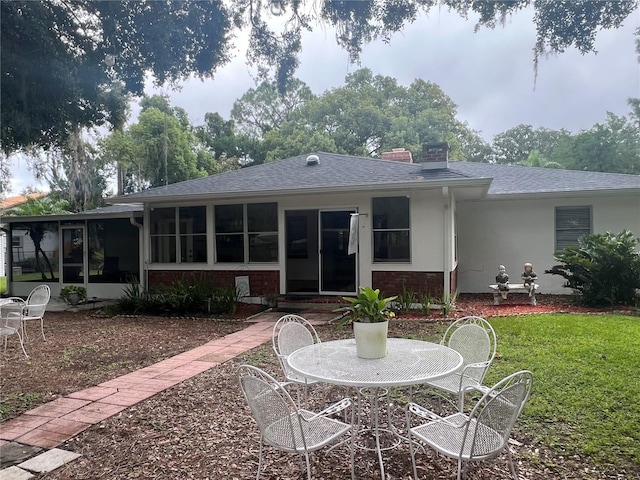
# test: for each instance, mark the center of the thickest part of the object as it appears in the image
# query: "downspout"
(446, 239)
(144, 280)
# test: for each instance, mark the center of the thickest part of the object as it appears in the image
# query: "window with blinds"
(571, 224)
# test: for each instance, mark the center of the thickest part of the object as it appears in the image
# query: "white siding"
(512, 232)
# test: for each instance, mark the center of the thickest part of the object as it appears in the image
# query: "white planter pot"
(371, 339)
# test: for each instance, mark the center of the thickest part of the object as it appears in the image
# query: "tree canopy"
(70, 63)
(369, 114)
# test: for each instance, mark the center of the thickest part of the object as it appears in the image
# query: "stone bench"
(513, 287)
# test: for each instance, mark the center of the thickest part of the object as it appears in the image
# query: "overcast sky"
(488, 74)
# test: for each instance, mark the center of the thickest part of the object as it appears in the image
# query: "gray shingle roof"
(343, 172)
(513, 179)
(117, 208)
(332, 171)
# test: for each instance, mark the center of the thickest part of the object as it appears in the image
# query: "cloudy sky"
(488, 74)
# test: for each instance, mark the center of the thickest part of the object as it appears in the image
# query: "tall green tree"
(76, 175)
(612, 146)
(84, 46)
(514, 146)
(369, 114)
(264, 108)
(162, 147)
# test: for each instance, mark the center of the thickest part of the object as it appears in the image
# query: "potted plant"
(370, 316)
(73, 294)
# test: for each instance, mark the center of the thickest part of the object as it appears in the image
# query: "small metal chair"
(36, 306)
(290, 333)
(285, 426)
(480, 435)
(474, 339)
(11, 321)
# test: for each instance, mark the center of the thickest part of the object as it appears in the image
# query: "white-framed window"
(246, 233)
(570, 224)
(186, 243)
(391, 230)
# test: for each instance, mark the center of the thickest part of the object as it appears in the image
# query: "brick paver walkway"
(53, 423)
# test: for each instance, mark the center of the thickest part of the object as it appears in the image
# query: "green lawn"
(586, 395)
(3, 284)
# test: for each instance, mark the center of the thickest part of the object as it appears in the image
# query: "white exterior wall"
(427, 216)
(426, 224)
(512, 232)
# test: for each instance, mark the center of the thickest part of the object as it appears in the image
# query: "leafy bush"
(184, 296)
(604, 268)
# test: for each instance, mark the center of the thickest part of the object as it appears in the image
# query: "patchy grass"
(586, 389)
(19, 402)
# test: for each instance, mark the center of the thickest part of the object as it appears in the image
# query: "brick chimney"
(398, 155)
(435, 155)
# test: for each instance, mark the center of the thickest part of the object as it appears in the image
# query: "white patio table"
(408, 362)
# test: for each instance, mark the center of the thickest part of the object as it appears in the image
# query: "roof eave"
(564, 193)
(69, 216)
(418, 184)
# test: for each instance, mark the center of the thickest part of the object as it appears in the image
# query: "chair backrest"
(37, 300)
(272, 407)
(492, 418)
(474, 339)
(292, 332)
(11, 312)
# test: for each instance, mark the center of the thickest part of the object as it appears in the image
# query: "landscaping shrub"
(186, 296)
(604, 268)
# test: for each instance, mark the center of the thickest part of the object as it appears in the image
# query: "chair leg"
(22, 345)
(42, 329)
(352, 448)
(306, 457)
(511, 465)
(411, 448)
(260, 459)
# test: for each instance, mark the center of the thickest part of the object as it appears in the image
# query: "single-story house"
(325, 223)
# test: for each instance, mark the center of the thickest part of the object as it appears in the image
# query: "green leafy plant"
(406, 299)
(367, 307)
(604, 268)
(185, 296)
(73, 294)
(448, 302)
(425, 302)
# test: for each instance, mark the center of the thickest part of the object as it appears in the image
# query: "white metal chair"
(290, 333)
(11, 321)
(475, 339)
(285, 426)
(36, 306)
(480, 435)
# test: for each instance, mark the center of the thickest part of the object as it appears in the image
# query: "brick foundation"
(420, 282)
(261, 282)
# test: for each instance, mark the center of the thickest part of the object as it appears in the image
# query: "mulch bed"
(201, 429)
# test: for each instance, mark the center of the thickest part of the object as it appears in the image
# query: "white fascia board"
(68, 217)
(461, 183)
(564, 193)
